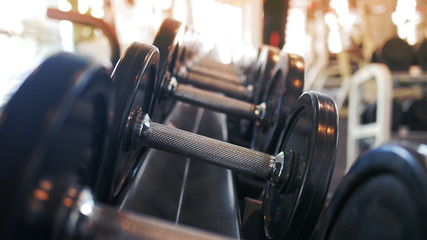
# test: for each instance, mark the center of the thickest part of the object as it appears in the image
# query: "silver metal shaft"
(206, 62)
(209, 83)
(223, 154)
(218, 102)
(221, 75)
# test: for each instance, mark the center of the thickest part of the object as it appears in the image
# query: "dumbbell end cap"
(281, 169)
(141, 124)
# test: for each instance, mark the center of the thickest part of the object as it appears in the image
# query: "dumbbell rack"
(183, 191)
(380, 130)
(102, 134)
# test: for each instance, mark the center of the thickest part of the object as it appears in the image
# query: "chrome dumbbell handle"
(206, 62)
(240, 159)
(223, 154)
(217, 73)
(146, 133)
(206, 82)
(217, 102)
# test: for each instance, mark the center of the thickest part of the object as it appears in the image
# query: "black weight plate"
(311, 133)
(267, 60)
(421, 54)
(168, 39)
(189, 45)
(397, 54)
(285, 88)
(369, 115)
(383, 196)
(134, 81)
(53, 125)
(182, 55)
(415, 114)
(260, 77)
(253, 71)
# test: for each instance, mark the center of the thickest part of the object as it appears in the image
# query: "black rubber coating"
(215, 101)
(205, 82)
(223, 154)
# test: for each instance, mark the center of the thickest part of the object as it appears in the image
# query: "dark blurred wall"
(275, 15)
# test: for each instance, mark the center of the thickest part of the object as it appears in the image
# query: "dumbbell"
(168, 40)
(219, 72)
(233, 72)
(421, 54)
(190, 46)
(369, 115)
(129, 94)
(285, 88)
(189, 60)
(241, 64)
(410, 112)
(383, 196)
(249, 87)
(397, 54)
(304, 155)
(208, 63)
(259, 77)
(140, 59)
(414, 114)
(195, 55)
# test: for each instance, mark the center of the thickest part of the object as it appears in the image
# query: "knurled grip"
(205, 82)
(221, 75)
(215, 101)
(107, 223)
(223, 154)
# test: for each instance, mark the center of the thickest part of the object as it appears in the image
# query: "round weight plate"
(421, 54)
(188, 46)
(252, 71)
(185, 48)
(416, 115)
(134, 79)
(261, 76)
(369, 114)
(54, 124)
(285, 88)
(267, 60)
(167, 40)
(383, 196)
(311, 134)
(397, 54)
